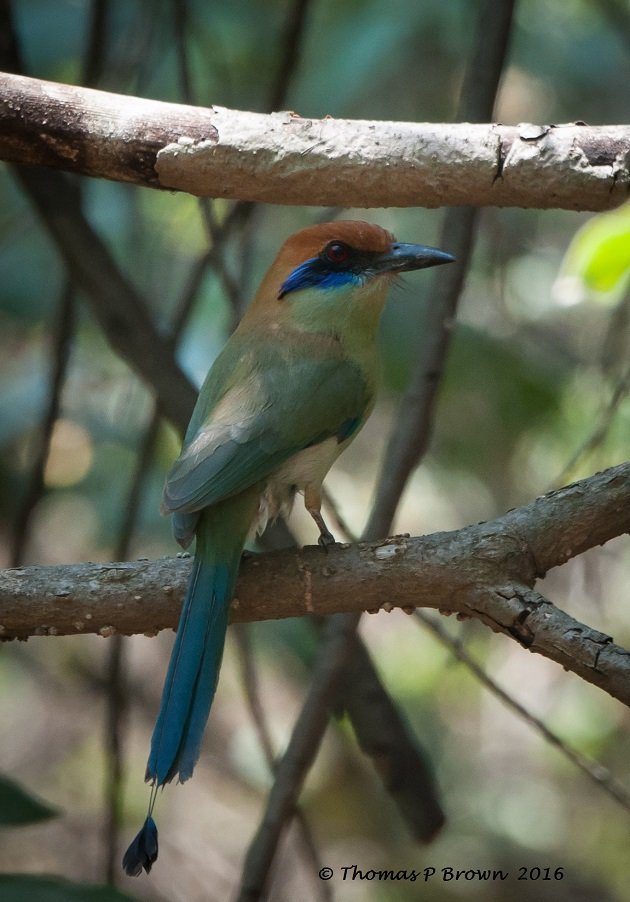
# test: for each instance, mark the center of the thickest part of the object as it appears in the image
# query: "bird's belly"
(307, 467)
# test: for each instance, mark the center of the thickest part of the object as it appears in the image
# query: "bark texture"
(285, 158)
(487, 571)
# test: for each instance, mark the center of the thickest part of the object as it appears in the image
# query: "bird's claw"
(326, 539)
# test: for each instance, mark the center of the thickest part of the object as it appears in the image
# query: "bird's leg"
(313, 504)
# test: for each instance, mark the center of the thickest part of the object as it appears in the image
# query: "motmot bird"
(290, 390)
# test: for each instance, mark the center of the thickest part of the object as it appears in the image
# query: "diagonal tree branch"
(121, 311)
(411, 434)
(311, 723)
(285, 158)
(118, 307)
(487, 571)
(410, 437)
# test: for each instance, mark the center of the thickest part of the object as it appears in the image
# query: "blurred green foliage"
(18, 888)
(598, 259)
(530, 376)
(18, 807)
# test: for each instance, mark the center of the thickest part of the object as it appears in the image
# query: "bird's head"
(338, 273)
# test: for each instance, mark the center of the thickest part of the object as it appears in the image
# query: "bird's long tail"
(192, 673)
(193, 670)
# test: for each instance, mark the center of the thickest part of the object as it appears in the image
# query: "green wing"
(243, 432)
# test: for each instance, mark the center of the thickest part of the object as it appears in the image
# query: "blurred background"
(535, 394)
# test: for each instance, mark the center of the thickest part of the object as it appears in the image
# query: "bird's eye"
(337, 252)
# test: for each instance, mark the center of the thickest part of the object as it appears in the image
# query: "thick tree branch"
(486, 571)
(284, 158)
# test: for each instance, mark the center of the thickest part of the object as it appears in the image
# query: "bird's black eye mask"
(338, 264)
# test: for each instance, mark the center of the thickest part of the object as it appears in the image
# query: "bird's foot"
(326, 539)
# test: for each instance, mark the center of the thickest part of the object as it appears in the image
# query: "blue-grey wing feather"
(245, 437)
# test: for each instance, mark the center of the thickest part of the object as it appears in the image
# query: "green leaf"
(599, 256)
(35, 888)
(18, 807)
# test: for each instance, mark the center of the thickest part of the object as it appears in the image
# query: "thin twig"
(61, 347)
(96, 50)
(180, 29)
(217, 234)
(599, 433)
(616, 12)
(250, 683)
(241, 216)
(116, 707)
(593, 770)
(614, 356)
(291, 42)
(410, 437)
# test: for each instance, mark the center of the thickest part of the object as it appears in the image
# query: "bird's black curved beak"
(405, 257)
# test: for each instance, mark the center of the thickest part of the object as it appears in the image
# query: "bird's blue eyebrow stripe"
(312, 273)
